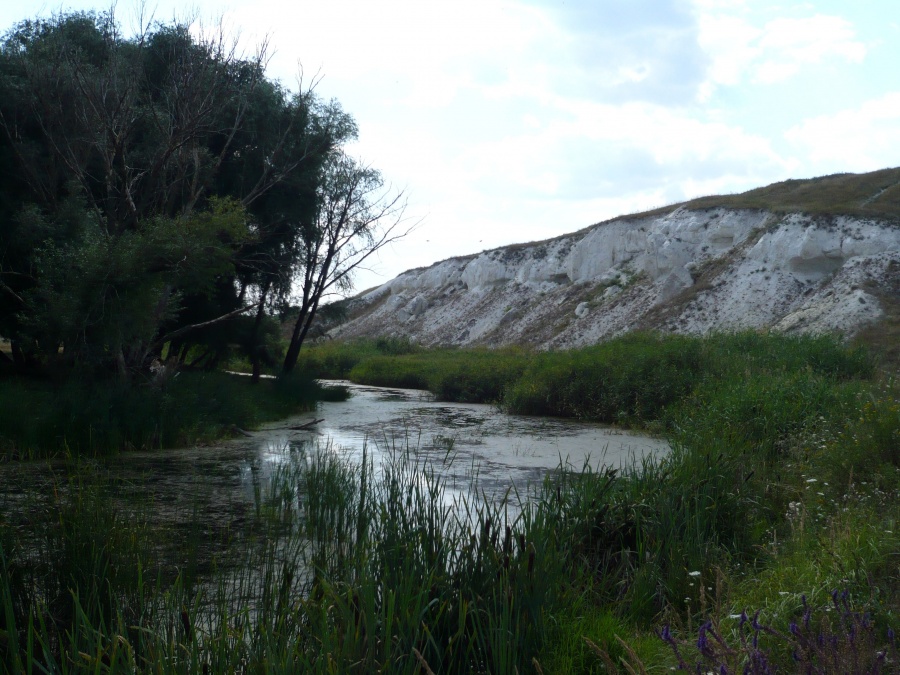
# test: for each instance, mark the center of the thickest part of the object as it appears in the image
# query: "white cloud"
(731, 41)
(774, 52)
(864, 138)
(719, 4)
(669, 135)
(511, 120)
(399, 39)
(789, 44)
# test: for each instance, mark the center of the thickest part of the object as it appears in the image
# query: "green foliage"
(395, 346)
(82, 417)
(782, 482)
(632, 379)
(98, 295)
(873, 194)
(870, 443)
(628, 379)
(360, 573)
(737, 409)
(474, 375)
(85, 561)
(335, 360)
(148, 184)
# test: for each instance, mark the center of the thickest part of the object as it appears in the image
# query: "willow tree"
(153, 185)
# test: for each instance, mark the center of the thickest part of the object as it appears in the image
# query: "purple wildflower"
(666, 634)
(755, 623)
(702, 641)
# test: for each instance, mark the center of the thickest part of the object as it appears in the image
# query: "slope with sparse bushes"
(803, 256)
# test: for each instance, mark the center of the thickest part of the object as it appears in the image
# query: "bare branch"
(186, 329)
(357, 217)
(15, 295)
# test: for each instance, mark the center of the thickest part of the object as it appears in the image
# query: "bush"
(85, 417)
(628, 380)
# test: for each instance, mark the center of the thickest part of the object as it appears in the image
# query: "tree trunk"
(120, 365)
(293, 350)
(301, 328)
(17, 354)
(254, 336)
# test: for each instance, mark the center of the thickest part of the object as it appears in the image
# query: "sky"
(505, 121)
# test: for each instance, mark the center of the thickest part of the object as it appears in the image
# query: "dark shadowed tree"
(356, 216)
(153, 187)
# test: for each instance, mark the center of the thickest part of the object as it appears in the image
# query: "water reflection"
(213, 487)
(501, 450)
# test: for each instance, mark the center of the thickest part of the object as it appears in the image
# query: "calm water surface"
(198, 491)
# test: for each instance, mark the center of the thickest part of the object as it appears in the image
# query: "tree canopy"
(156, 186)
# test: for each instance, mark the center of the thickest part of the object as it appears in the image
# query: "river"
(207, 492)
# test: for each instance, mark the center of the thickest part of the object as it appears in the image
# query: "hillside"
(816, 255)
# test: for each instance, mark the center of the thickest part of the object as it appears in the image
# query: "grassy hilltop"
(874, 195)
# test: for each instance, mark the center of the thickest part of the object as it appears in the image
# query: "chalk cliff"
(693, 268)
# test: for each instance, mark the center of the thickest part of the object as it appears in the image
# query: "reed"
(783, 482)
(41, 418)
(352, 568)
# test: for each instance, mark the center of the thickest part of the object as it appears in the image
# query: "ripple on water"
(216, 485)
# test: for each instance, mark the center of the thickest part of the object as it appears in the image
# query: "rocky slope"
(749, 261)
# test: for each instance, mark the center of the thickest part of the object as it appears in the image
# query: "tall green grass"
(335, 360)
(352, 569)
(783, 481)
(625, 380)
(470, 376)
(632, 379)
(100, 417)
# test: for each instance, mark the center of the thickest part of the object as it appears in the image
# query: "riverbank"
(783, 482)
(45, 417)
(783, 486)
(639, 379)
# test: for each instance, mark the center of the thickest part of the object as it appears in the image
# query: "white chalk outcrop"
(688, 271)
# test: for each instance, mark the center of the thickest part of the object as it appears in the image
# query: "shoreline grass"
(42, 418)
(631, 380)
(782, 488)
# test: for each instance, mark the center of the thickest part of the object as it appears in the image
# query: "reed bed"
(102, 417)
(347, 569)
(773, 521)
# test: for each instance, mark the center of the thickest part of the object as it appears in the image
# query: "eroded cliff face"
(687, 271)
